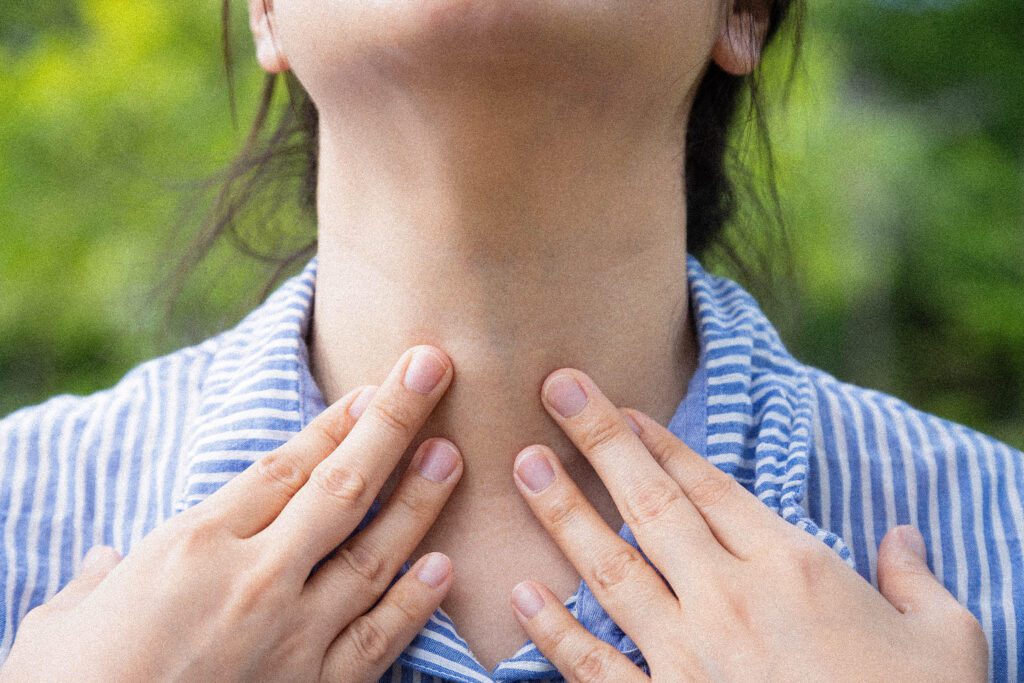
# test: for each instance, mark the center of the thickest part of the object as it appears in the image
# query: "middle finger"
(341, 488)
(623, 582)
(355, 576)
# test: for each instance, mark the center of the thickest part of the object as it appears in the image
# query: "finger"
(352, 579)
(737, 518)
(371, 643)
(623, 582)
(666, 524)
(904, 577)
(250, 501)
(341, 488)
(575, 652)
(96, 565)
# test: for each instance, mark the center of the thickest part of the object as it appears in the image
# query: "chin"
(496, 45)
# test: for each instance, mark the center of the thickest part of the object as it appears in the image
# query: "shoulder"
(152, 387)
(132, 436)
(867, 423)
(78, 471)
(70, 457)
(877, 462)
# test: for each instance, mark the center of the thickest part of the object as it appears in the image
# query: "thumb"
(903, 574)
(96, 565)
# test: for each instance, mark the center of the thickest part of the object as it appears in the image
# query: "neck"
(515, 232)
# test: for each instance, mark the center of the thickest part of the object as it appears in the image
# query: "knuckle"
(363, 560)
(329, 428)
(711, 489)
(194, 535)
(403, 599)
(968, 627)
(200, 517)
(414, 504)
(590, 666)
(339, 481)
(602, 433)
(958, 626)
(256, 587)
(562, 510)
(277, 469)
(810, 559)
(369, 640)
(393, 417)
(36, 616)
(651, 500)
(613, 570)
(662, 451)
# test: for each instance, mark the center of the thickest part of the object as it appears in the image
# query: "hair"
(277, 167)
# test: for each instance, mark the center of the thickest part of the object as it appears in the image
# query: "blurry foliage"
(900, 161)
(902, 175)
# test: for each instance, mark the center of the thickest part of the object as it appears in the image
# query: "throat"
(495, 542)
(487, 529)
(629, 328)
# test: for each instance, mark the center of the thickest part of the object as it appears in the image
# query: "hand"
(752, 597)
(227, 589)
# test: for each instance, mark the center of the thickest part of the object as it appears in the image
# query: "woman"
(499, 185)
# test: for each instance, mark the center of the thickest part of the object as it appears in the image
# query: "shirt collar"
(748, 410)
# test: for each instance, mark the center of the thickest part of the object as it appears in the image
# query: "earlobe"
(738, 49)
(269, 53)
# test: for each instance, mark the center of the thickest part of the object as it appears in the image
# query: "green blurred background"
(900, 163)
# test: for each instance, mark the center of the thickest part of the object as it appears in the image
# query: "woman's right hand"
(226, 590)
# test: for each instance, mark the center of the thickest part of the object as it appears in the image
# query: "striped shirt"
(841, 462)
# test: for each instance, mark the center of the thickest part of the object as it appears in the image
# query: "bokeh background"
(899, 158)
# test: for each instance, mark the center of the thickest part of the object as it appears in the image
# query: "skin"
(500, 181)
(503, 180)
(224, 591)
(718, 548)
(235, 599)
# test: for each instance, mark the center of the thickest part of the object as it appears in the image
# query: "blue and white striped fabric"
(841, 462)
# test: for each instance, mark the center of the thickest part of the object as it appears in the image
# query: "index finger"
(341, 488)
(665, 522)
(253, 499)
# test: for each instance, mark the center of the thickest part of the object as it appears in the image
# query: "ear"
(738, 49)
(268, 50)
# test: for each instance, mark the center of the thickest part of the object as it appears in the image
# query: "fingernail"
(438, 461)
(527, 600)
(535, 471)
(424, 372)
(362, 400)
(632, 424)
(434, 570)
(566, 395)
(913, 541)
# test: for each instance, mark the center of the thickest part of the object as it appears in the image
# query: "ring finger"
(666, 524)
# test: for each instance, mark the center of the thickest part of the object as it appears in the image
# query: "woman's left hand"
(752, 597)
